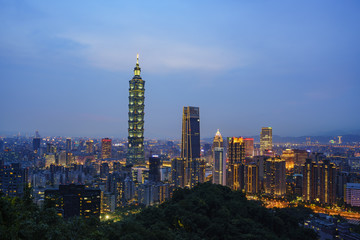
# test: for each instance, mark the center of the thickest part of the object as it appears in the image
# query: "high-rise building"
(89, 146)
(178, 169)
(236, 158)
(218, 140)
(105, 148)
(68, 145)
(265, 139)
(36, 142)
(154, 168)
(251, 178)
(135, 153)
(249, 147)
(190, 144)
(12, 180)
(275, 177)
(319, 181)
(219, 165)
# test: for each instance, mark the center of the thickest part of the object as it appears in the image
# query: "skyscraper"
(218, 166)
(251, 178)
(249, 147)
(190, 144)
(235, 169)
(105, 148)
(178, 169)
(218, 159)
(154, 168)
(90, 146)
(136, 118)
(275, 177)
(319, 181)
(265, 139)
(68, 145)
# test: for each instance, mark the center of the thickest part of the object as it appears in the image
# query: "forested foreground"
(205, 212)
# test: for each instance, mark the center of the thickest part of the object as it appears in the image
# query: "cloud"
(159, 55)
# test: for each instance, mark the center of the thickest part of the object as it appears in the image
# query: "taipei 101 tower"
(135, 153)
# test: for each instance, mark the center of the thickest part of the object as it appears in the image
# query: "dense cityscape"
(91, 177)
(162, 120)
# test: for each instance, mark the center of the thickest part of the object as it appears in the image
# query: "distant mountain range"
(349, 138)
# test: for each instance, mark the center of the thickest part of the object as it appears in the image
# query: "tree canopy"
(207, 211)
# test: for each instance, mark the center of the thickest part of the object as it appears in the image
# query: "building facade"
(235, 168)
(106, 148)
(275, 177)
(74, 200)
(319, 181)
(190, 145)
(265, 139)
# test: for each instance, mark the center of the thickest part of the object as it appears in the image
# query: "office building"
(275, 177)
(105, 148)
(319, 181)
(154, 168)
(178, 168)
(68, 145)
(236, 159)
(352, 194)
(219, 166)
(12, 180)
(190, 145)
(90, 146)
(251, 178)
(218, 140)
(249, 147)
(75, 200)
(135, 153)
(265, 139)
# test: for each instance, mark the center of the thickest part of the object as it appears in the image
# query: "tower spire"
(137, 69)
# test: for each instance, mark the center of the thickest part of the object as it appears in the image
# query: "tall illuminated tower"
(265, 139)
(219, 164)
(135, 153)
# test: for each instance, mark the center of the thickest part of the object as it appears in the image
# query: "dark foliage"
(205, 212)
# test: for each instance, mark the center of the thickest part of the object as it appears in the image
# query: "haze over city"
(65, 66)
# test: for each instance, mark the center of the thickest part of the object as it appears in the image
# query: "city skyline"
(245, 65)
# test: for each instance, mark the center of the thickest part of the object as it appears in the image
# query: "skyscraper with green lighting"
(135, 153)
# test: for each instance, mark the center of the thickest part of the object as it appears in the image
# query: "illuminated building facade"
(249, 147)
(319, 181)
(352, 195)
(105, 148)
(251, 178)
(135, 153)
(219, 165)
(265, 139)
(275, 177)
(90, 146)
(218, 140)
(190, 145)
(236, 158)
(75, 200)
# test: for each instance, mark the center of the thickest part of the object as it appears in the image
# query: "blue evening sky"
(291, 65)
